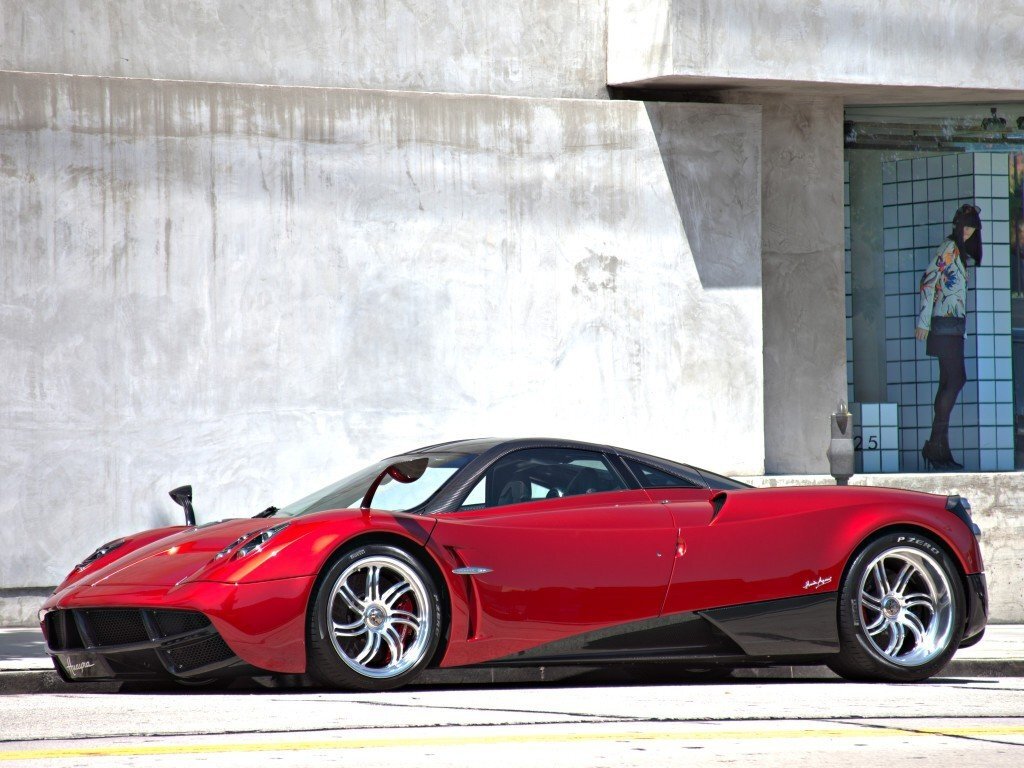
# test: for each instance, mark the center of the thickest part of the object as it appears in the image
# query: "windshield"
(391, 495)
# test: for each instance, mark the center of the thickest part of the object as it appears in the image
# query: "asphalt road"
(946, 722)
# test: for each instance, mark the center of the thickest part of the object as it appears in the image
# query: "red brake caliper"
(406, 604)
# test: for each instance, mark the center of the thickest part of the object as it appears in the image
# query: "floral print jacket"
(943, 286)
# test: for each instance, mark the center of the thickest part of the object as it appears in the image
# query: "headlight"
(255, 544)
(106, 549)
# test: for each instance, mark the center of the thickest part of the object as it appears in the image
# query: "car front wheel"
(901, 611)
(376, 620)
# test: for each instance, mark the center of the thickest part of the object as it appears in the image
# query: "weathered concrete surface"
(19, 606)
(780, 723)
(997, 499)
(947, 43)
(258, 289)
(509, 47)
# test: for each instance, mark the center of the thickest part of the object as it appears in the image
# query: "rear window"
(650, 477)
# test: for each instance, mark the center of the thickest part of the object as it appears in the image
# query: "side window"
(478, 496)
(534, 474)
(650, 477)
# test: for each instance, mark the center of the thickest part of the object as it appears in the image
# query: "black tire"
(375, 620)
(901, 610)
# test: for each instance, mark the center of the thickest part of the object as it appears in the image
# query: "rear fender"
(862, 524)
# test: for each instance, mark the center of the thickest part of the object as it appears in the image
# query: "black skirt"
(941, 345)
(946, 337)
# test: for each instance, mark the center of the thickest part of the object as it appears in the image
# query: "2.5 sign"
(858, 443)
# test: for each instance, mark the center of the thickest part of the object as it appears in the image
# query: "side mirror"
(408, 471)
(183, 497)
(403, 471)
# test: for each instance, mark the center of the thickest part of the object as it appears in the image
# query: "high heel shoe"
(947, 456)
(933, 456)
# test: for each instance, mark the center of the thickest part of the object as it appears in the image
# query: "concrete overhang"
(725, 89)
(860, 51)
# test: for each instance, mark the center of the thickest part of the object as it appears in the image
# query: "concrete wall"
(255, 288)
(520, 47)
(258, 289)
(511, 47)
(996, 499)
(948, 43)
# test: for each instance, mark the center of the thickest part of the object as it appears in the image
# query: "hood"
(176, 557)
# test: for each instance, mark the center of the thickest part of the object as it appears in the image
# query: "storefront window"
(908, 170)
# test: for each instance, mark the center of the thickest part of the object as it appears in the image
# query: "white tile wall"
(876, 437)
(919, 198)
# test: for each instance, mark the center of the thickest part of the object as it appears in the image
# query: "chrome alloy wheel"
(380, 617)
(906, 606)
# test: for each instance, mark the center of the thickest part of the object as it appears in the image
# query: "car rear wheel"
(376, 620)
(901, 611)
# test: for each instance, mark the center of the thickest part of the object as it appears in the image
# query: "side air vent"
(62, 632)
(717, 502)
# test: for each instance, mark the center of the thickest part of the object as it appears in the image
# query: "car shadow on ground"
(520, 678)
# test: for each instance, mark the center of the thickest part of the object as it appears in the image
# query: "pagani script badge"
(80, 666)
(819, 582)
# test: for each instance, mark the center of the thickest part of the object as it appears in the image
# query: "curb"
(48, 681)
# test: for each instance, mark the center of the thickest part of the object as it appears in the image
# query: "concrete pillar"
(802, 274)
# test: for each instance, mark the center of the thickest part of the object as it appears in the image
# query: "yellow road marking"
(866, 732)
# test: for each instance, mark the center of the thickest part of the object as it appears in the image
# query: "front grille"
(198, 644)
(186, 658)
(170, 623)
(120, 626)
(114, 626)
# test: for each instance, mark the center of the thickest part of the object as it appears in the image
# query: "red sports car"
(530, 552)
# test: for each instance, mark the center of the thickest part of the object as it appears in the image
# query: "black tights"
(952, 376)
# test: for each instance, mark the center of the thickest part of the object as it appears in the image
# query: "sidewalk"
(25, 667)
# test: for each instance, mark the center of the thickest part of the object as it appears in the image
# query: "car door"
(715, 562)
(727, 554)
(567, 551)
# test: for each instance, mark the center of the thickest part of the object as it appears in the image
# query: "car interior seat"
(514, 492)
(586, 481)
